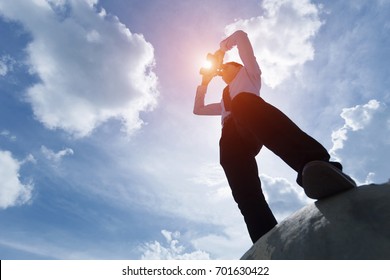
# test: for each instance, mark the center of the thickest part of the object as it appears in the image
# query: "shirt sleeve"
(245, 50)
(213, 109)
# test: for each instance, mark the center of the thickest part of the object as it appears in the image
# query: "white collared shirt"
(248, 79)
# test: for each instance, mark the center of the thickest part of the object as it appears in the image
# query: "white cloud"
(29, 159)
(8, 135)
(3, 68)
(12, 191)
(6, 64)
(356, 118)
(56, 157)
(363, 141)
(91, 67)
(283, 197)
(360, 116)
(171, 250)
(210, 174)
(281, 38)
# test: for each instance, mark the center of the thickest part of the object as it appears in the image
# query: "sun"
(207, 64)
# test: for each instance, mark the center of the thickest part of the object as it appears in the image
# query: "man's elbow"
(241, 33)
(199, 110)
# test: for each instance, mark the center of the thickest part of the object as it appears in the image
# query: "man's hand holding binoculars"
(215, 63)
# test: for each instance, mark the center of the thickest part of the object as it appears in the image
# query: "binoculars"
(215, 65)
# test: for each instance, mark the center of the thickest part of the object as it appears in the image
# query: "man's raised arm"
(245, 50)
(213, 109)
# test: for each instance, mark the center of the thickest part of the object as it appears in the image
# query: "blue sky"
(100, 154)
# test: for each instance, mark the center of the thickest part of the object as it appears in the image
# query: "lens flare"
(207, 64)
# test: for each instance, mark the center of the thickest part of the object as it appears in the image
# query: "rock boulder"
(349, 226)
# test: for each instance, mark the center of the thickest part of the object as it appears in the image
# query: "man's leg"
(290, 143)
(238, 161)
(278, 133)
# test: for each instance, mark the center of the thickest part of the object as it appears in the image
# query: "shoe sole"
(321, 179)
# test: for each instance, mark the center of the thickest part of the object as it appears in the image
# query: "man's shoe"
(321, 179)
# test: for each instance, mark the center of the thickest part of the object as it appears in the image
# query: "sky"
(101, 156)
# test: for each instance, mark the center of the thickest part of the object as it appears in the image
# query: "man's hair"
(233, 63)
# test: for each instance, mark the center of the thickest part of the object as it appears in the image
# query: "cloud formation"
(172, 250)
(91, 67)
(356, 118)
(56, 157)
(281, 53)
(6, 64)
(283, 196)
(7, 135)
(12, 191)
(366, 128)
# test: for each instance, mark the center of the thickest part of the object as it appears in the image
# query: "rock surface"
(349, 226)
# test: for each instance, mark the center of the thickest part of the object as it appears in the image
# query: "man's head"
(229, 71)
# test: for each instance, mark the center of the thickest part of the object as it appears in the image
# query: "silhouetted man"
(250, 123)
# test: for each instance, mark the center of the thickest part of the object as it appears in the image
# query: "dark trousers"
(254, 123)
